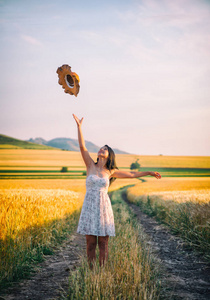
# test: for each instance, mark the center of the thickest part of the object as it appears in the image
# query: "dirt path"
(51, 279)
(185, 275)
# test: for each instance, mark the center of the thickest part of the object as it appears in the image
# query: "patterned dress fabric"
(96, 216)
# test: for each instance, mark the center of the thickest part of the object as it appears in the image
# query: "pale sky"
(144, 69)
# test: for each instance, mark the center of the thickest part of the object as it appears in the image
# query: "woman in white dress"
(97, 219)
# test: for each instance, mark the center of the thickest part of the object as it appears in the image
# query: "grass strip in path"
(130, 273)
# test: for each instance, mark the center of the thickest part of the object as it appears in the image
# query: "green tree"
(135, 165)
(64, 169)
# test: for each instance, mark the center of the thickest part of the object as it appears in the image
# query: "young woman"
(97, 219)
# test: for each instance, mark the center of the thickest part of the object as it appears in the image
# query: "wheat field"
(32, 221)
(76, 185)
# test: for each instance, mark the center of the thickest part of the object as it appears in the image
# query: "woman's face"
(103, 152)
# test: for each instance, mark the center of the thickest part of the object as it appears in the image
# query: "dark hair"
(111, 162)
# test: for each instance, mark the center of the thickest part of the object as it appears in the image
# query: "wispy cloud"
(31, 40)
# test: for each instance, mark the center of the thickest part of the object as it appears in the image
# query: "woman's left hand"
(155, 174)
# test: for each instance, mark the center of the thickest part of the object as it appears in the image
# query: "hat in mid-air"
(68, 79)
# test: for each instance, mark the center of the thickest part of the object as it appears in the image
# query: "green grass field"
(73, 174)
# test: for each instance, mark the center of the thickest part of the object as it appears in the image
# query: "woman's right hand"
(78, 121)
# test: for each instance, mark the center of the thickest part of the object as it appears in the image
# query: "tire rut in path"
(51, 279)
(185, 275)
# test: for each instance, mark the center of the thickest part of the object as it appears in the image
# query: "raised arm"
(85, 154)
(124, 174)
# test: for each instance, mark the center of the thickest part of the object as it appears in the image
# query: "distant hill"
(70, 144)
(7, 142)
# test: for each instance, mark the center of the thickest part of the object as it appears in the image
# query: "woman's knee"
(103, 242)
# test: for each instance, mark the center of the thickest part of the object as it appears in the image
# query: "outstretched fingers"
(78, 121)
(157, 175)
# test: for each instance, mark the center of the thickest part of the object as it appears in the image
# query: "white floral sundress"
(96, 216)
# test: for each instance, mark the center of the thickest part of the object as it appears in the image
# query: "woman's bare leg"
(91, 249)
(103, 249)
